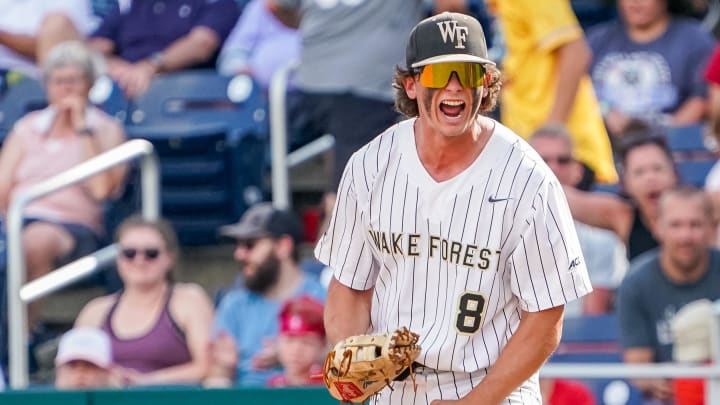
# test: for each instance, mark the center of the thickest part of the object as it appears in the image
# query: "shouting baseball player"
(449, 224)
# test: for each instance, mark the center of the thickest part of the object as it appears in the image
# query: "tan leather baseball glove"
(360, 366)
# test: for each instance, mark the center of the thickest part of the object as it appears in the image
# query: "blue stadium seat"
(687, 138)
(28, 95)
(211, 134)
(589, 339)
(595, 339)
(688, 143)
(694, 171)
(19, 99)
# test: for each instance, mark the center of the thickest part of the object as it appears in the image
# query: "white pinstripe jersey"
(454, 261)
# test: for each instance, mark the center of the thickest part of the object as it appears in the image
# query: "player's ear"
(409, 83)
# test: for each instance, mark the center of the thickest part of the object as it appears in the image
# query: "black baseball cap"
(446, 37)
(263, 220)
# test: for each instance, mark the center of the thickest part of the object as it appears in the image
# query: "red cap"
(302, 315)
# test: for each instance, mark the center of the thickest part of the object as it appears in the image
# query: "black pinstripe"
(516, 257)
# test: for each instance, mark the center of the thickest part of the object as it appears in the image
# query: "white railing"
(281, 160)
(710, 373)
(20, 295)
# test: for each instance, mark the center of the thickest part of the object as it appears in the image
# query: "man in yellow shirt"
(546, 79)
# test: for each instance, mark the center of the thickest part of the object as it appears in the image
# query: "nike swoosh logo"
(492, 199)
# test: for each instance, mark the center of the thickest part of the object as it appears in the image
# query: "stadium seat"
(592, 339)
(211, 134)
(689, 143)
(19, 99)
(29, 95)
(694, 171)
(595, 339)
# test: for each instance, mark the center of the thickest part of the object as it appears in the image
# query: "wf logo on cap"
(451, 30)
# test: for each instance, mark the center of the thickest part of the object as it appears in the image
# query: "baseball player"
(450, 224)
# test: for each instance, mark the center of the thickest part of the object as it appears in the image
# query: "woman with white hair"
(65, 224)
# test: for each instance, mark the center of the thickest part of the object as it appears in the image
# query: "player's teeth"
(453, 102)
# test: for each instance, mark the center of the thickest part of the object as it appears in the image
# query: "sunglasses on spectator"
(149, 253)
(561, 160)
(437, 75)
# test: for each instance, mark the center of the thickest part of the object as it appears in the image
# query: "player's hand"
(267, 357)
(658, 388)
(71, 112)
(449, 402)
(135, 79)
(616, 122)
(124, 377)
(224, 352)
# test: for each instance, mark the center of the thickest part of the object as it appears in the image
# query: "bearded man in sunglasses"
(448, 223)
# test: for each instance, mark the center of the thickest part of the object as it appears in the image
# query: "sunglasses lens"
(437, 76)
(129, 253)
(149, 253)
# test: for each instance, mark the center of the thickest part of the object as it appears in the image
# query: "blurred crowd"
(594, 86)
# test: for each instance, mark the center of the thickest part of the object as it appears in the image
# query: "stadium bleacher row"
(210, 133)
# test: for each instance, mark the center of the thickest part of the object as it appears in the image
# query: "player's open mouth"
(452, 108)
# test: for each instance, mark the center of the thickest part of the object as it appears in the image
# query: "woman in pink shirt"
(65, 224)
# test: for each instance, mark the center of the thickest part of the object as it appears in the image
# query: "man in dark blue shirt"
(684, 269)
(142, 38)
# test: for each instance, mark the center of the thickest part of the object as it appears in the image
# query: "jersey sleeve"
(553, 23)
(547, 265)
(344, 246)
(219, 16)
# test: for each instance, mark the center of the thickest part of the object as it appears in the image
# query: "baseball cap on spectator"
(263, 220)
(85, 343)
(691, 331)
(446, 37)
(302, 316)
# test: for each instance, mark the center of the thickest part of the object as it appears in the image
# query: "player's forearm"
(24, 45)
(458, 6)
(690, 112)
(347, 312)
(536, 338)
(196, 47)
(573, 62)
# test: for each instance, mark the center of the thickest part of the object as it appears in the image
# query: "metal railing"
(20, 295)
(711, 373)
(281, 160)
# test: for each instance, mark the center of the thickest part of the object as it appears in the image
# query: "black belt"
(406, 373)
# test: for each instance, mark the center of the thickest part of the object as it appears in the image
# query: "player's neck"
(649, 32)
(445, 157)
(287, 284)
(684, 275)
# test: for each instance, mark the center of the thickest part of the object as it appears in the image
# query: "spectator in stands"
(647, 171)
(159, 330)
(682, 270)
(604, 253)
(143, 38)
(301, 344)
(259, 45)
(30, 28)
(268, 240)
(712, 77)
(84, 359)
(68, 223)
(649, 65)
(692, 343)
(346, 62)
(546, 79)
